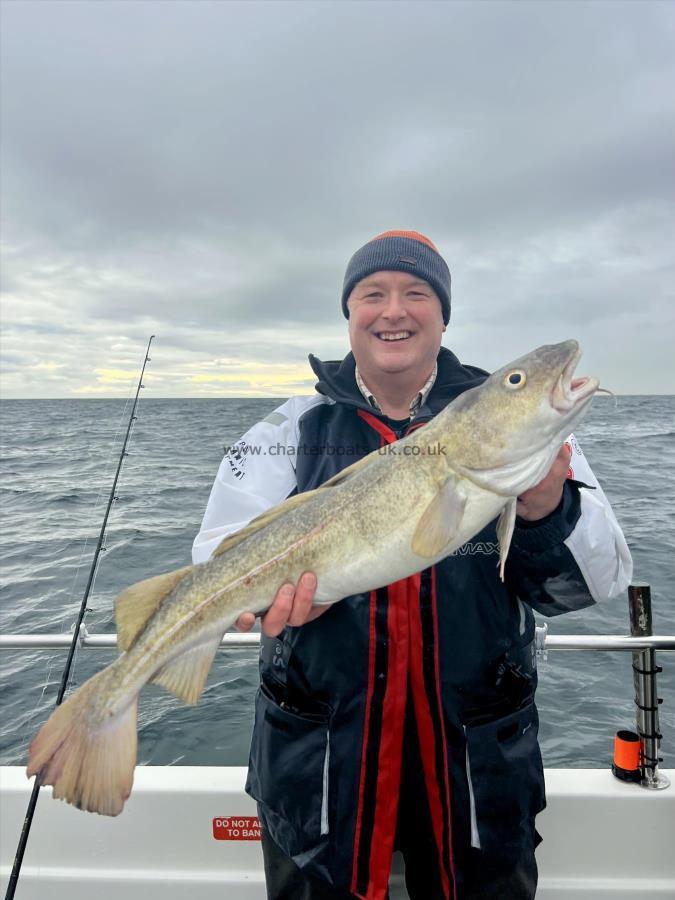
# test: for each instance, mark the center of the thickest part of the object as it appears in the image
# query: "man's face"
(395, 324)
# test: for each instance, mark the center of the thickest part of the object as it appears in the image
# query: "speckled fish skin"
(394, 513)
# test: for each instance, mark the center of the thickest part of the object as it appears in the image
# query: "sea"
(58, 462)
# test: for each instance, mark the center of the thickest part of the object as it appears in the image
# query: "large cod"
(384, 518)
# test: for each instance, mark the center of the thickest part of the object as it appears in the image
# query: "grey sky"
(204, 170)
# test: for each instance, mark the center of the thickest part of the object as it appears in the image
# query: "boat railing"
(544, 641)
(641, 643)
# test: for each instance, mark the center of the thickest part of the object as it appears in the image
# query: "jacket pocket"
(506, 782)
(288, 770)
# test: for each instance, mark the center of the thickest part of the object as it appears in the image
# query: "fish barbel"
(386, 517)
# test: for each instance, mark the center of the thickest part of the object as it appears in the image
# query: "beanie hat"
(400, 251)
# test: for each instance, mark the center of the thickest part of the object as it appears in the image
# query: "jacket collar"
(337, 380)
(416, 402)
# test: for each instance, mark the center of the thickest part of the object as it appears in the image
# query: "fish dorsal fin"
(349, 471)
(261, 521)
(440, 520)
(232, 540)
(135, 606)
(505, 526)
(185, 676)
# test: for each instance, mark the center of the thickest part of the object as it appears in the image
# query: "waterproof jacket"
(453, 643)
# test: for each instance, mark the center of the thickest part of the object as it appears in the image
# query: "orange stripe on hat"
(399, 251)
(412, 235)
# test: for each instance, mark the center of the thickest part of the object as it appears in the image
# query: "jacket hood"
(337, 380)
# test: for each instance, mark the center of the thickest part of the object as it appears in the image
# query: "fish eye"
(515, 380)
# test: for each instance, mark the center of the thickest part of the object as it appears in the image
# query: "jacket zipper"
(324, 795)
(475, 837)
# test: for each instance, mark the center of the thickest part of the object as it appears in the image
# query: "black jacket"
(453, 644)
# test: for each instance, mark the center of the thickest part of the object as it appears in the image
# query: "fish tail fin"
(88, 759)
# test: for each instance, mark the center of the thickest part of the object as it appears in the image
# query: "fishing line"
(28, 820)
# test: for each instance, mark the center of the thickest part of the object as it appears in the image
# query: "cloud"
(204, 171)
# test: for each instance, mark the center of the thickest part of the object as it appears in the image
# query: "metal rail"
(544, 641)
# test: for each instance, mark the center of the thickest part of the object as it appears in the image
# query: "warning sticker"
(236, 828)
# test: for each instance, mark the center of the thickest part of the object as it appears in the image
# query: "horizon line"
(268, 397)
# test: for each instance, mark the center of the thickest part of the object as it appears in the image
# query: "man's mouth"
(393, 335)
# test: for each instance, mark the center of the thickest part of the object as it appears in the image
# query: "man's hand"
(543, 498)
(291, 606)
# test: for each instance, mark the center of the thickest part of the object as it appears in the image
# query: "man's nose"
(395, 307)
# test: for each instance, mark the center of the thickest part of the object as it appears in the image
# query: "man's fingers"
(245, 622)
(276, 617)
(304, 597)
(565, 454)
(561, 463)
(291, 606)
(543, 498)
(557, 473)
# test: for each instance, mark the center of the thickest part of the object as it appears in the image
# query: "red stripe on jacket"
(405, 653)
(391, 744)
(427, 737)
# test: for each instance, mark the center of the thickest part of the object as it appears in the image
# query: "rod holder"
(647, 702)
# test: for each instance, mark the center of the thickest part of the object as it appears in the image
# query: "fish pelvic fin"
(440, 521)
(136, 605)
(186, 674)
(505, 526)
(90, 762)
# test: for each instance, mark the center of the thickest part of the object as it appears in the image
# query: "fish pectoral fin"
(186, 674)
(440, 520)
(135, 606)
(505, 526)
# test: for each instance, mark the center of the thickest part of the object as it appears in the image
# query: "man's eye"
(374, 295)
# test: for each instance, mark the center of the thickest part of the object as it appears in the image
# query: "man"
(404, 719)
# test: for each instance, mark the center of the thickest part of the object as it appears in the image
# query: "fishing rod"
(28, 820)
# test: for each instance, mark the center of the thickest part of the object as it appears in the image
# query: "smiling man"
(405, 718)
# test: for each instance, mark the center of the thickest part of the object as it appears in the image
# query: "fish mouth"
(568, 392)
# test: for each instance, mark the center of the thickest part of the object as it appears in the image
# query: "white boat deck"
(603, 840)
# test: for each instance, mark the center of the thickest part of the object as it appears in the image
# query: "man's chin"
(394, 366)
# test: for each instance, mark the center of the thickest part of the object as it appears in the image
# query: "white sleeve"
(597, 542)
(257, 473)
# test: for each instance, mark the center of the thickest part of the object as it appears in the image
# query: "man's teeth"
(393, 335)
